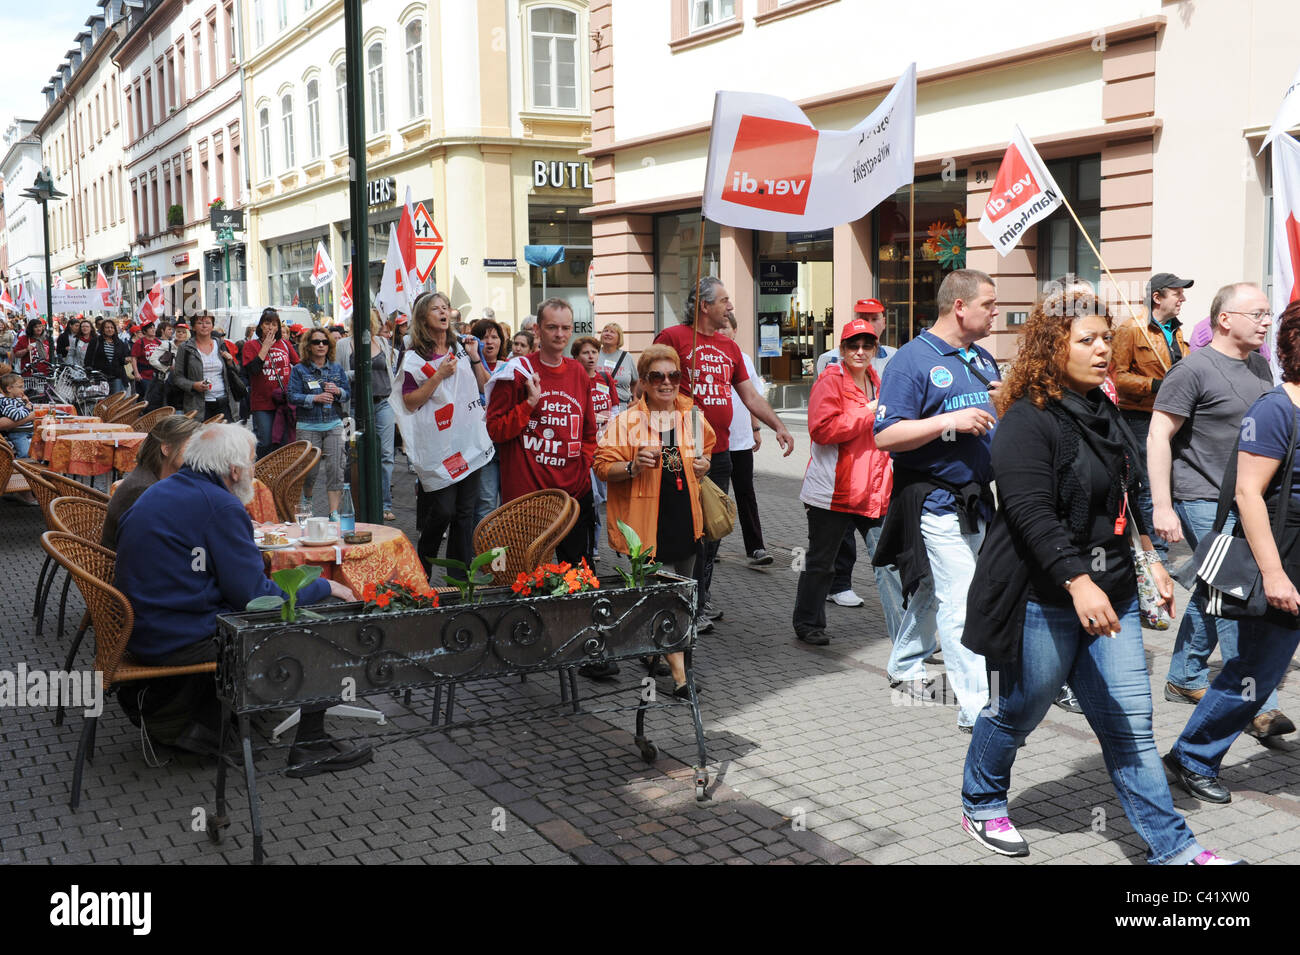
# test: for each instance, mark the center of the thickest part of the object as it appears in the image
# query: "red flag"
(406, 244)
(150, 304)
(1023, 192)
(6, 301)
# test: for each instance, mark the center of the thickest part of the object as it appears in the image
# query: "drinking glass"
(301, 517)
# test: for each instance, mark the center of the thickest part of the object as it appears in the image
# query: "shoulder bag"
(1228, 581)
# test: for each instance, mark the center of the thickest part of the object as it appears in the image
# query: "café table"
(91, 453)
(43, 409)
(388, 556)
(44, 434)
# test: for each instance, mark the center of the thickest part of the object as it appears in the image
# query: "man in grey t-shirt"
(1194, 425)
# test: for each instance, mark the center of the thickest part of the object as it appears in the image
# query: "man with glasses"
(1143, 356)
(1193, 432)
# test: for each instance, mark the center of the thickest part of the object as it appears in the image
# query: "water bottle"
(347, 514)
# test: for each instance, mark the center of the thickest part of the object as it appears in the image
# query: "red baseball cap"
(859, 326)
(868, 306)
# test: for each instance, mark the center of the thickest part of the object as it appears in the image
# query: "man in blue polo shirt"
(936, 418)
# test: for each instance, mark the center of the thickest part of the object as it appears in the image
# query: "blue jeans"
(1109, 676)
(1232, 701)
(888, 586)
(20, 441)
(489, 490)
(384, 418)
(1189, 667)
(1140, 423)
(262, 421)
(939, 607)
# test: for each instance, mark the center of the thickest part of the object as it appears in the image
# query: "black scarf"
(1094, 419)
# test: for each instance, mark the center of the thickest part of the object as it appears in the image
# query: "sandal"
(389, 516)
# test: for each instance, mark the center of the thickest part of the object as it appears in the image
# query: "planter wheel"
(701, 784)
(649, 752)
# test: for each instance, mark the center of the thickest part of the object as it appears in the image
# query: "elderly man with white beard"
(186, 554)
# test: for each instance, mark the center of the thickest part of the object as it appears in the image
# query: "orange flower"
(384, 599)
(368, 592)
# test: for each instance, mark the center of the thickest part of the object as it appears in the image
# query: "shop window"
(914, 253)
(288, 271)
(553, 42)
(1062, 248)
(556, 222)
(796, 319)
(677, 257)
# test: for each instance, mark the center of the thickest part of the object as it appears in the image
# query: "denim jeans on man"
(1189, 667)
(939, 607)
(1109, 676)
(1264, 651)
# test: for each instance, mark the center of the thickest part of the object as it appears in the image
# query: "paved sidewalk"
(812, 760)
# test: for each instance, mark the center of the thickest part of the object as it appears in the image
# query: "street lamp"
(43, 191)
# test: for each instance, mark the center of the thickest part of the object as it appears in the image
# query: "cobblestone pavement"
(812, 760)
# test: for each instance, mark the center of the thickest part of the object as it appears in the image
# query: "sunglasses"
(318, 341)
(658, 377)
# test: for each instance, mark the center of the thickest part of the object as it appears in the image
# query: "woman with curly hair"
(1055, 593)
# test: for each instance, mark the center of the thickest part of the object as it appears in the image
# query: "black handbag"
(1228, 581)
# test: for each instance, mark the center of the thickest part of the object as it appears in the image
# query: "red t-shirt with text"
(140, 351)
(550, 444)
(709, 377)
(276, 368)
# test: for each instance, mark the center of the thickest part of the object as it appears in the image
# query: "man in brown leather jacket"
(1142, 357)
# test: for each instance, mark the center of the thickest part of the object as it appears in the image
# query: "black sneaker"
(760, 558)
(604, 670)
(325, 756)
(816, 638)
(708, 611)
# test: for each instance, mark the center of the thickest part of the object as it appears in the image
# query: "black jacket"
(1029, 541)
(97, 359)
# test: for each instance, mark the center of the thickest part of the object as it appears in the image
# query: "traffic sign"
(428, 243)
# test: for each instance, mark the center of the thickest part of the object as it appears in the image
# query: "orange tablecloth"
(45, 434)
(94, 453)
(41, 410)
(262, 507)
(389, 556)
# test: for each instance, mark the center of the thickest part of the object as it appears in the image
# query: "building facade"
(1109, 103)
(180, 88)
(479, 108)
(25, 238)
(81, 144)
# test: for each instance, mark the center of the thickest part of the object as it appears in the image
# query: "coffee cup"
(318, 529)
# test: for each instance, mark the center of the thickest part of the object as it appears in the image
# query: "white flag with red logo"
(322, 269)
(1286, 228)
(395, 285)
(770, 168)
(61, 282)
(345, 300)
(406, 242)
(7, 301)
(150, 305)
(1023, 192)
(102, 286)
(1288, 113)
(30, 305)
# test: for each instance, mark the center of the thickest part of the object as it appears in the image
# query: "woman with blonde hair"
(619, 364)
(318, 387)
(652, 457)
(1055, 593)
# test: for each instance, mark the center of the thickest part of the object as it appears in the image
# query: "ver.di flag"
(322, 269)
(770, 168)
(1288, 113)
(1286, 229)
(393, 294)
(345, 300)
(1023, 192)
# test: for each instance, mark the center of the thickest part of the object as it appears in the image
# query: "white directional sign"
(428, 243)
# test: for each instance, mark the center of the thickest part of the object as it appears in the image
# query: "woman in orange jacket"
(652, 457)
(848, 480)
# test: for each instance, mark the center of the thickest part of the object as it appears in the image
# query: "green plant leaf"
(484, 558)
(632, 537)
(266, 602)
(456, 581)
(627, 578)
(449, 564)
(310, 615)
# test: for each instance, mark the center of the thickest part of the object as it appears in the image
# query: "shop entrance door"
(796, 318)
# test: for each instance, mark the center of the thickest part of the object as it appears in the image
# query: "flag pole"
(911, 257)
(1124, 298)
(695, 319)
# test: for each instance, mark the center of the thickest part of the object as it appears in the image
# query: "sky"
(38, 38)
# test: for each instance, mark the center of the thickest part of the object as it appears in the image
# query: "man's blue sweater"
(185, 554)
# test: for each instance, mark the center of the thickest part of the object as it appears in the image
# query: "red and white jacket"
(846, 472)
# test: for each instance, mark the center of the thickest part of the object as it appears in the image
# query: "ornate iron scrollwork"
(602, 612)
(518, 638)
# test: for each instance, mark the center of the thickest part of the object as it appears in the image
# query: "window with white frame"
(313, 118)
(282, 13)
(341, 94)
(375, 86)
(264, 140)
(286, 126)
(415, 68)
(553, 42)
(705, 13)
(259, 23)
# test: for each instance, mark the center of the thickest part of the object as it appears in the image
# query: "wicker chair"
(11, 480)
(289, 491)
(216, 419)
(67, 487)
(147, 421)
(108, 405)
(129, 414)
(84, 518)
(272, 467)
(529, 527)
(45, 493)
(92, 567)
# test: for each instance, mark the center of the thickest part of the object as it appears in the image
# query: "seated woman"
(159, 456)
(652, 457)
(17, 417)
(1055, 598)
